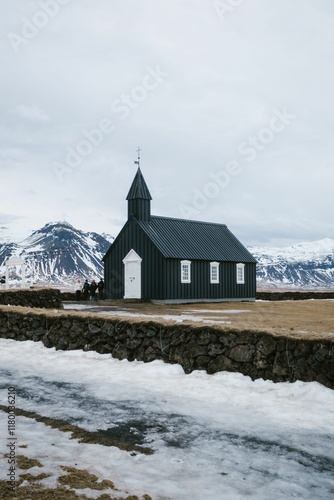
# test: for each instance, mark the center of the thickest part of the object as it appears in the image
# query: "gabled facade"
(175, 260)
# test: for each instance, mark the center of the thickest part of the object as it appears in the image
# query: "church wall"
(200, 286)
(161, 278)
(132, 237)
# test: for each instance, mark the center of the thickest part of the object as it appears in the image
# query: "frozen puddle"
(81, 307)
(179, 318)
(213, 436)
(221, 311)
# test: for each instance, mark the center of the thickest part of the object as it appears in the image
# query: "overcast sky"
(231, 103)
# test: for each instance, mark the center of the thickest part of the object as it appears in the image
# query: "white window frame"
(240, 274)
(214, 275)
(185, 271)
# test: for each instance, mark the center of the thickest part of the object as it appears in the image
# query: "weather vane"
(137, 162)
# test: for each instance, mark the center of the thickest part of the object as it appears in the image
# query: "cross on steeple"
(138, 161)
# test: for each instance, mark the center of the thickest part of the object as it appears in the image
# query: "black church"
(175, 260)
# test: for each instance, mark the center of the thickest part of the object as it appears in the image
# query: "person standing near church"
(85, 290)
(100, 287)
(92, 290)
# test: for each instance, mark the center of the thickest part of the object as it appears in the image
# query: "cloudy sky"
(231, 103)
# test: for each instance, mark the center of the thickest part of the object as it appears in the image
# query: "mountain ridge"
(302, 265)
(59, 254)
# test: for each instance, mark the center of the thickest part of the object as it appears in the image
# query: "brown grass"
(27, 463)
(78, 433)
(80, 479)
(36, 491)
(32, 478)
(309, 318)
(74, 479)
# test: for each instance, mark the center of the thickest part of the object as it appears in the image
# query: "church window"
(214, 272)
(185, 271)
(240, 274)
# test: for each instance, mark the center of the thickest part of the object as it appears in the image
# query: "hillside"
(306, 265)
(60, 254)
(57, 254)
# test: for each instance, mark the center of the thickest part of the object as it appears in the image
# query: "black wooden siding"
(141, 209)
(161, 278)
(132, 237)
(200, 286)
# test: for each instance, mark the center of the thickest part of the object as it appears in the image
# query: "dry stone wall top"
(256, 354)
(45, 298)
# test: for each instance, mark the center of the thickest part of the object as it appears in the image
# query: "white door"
(132, 275)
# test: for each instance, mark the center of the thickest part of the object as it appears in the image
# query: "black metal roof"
(194, 240)
(139, 188)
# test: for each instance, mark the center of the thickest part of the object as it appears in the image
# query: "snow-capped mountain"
(62, 255)
(57, 254)
(307, 265)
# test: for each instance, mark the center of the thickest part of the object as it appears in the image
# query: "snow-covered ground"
(215, 437)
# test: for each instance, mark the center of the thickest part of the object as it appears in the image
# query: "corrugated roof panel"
(186, 239)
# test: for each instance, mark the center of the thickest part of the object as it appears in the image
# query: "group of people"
(93, 290)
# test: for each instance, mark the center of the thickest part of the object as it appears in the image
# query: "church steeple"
(139, 198)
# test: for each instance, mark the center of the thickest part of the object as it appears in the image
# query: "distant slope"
(307, 265)
(60, 254)
(57, 253)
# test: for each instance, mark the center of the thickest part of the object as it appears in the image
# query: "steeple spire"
(139, 197)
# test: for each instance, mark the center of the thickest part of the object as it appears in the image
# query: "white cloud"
(224, 79)
(32, 113)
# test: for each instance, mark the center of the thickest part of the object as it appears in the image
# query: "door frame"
(132, 258)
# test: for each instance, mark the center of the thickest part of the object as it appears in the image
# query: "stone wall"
(48, 298)
(260, 295)
(293, 295)
(256, 354)
(52, 298)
